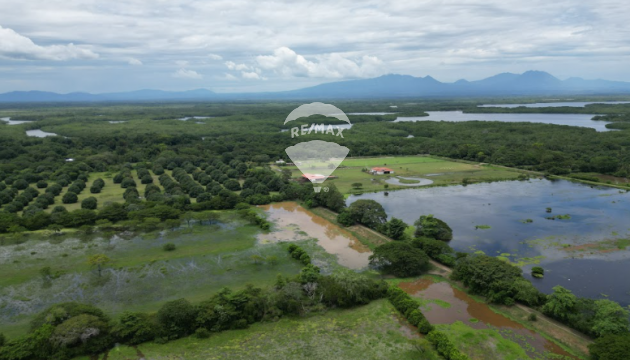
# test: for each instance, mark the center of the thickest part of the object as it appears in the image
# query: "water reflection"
(39, 133)
(291, 220)
(581, 120)
(13, 122)
(596, 214)
(555, 104)
(464, 308)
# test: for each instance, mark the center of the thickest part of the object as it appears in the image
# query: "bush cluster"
(445, 346)
(409, 308)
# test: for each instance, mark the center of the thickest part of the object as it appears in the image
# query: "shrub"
(532, 317)
(70, 198)
(20, 184)
(134, 328)
(90, 203)
(54, 189)
(444, 346)
(202, 333)
(127, 183)
(177, 318)
(169, 247)
(538, 272)
(147, 179)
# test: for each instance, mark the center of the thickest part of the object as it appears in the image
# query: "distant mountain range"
(530, 83)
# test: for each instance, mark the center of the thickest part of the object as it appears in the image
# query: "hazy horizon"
(250, 46)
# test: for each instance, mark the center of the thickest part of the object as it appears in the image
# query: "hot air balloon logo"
(317, 159)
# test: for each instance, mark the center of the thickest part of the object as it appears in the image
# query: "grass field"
(440, 171)
(372, 331)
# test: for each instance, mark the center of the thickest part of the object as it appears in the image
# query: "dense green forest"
(220, 143)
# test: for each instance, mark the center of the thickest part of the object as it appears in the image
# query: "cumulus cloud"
(341, 38)
(187, 74)
(16, 46)
(233, 66)
(288, 63)
(134, 61)
(250, 75)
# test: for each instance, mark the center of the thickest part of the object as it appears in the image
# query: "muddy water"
(294, 223)
(464, 308)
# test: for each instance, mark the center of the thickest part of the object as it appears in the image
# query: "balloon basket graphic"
(317, 159)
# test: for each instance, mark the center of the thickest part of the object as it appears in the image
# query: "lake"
(555, 104)
(39, 133)
(13, 122)
(582, 120)
(564, 247)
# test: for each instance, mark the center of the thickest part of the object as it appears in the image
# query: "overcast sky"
(235, 45)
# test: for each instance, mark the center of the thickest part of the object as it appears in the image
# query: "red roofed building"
(381, 171)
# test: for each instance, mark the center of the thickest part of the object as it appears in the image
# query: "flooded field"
(294, 223)
(577, 232)
(444, 304)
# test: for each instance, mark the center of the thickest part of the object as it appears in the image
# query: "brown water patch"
(464, 308)
(415, 287)
(291, 219)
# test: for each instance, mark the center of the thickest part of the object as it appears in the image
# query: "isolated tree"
(70, 198)
(400, 259)
(432, 227)
(356, 185)
(98, 261)
(395, 229)
(368, 212)
(20, 184)
(232, 184)
(127, 183)
(147, 179)
(89, 203)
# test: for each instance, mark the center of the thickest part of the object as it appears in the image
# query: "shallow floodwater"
(463, 308)
(555, 104)
(39, 133)
(581, 120)
(13, 122)
(294, 223)
(596, 214)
